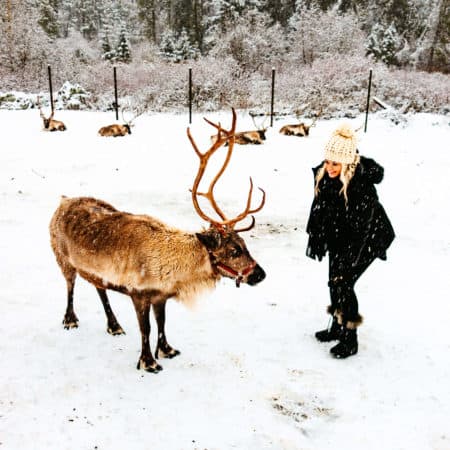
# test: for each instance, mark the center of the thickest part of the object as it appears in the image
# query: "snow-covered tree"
(177, 47)
(48, 17)
(107, 52)
(85, 18)
(280, 11)
(25, 46)
(383, 43)
(122, 52)
(147, 14)
(433, 46)
(65, 18)
(315, 34)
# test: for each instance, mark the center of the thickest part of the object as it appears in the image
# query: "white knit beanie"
(341, 147)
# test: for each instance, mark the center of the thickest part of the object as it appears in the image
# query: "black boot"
(348, 344)
(332, 333)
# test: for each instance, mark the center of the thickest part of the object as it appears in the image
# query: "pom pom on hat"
(341, 147)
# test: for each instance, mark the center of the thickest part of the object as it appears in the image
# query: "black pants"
(343, 275)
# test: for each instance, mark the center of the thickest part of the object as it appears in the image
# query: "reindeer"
(144, 258)
(116, 129)
(300, 129)
(247, 137)
(50, 124)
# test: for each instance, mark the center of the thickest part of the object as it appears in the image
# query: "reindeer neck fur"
(130, 253)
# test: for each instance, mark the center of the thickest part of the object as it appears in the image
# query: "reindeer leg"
(70, 319)
(114, 327)
(146, 361)
(163, 349)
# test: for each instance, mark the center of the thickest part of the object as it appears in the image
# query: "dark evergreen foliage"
(317, 47)
(417, 29)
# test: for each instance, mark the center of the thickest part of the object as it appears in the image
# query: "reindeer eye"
(235, 252)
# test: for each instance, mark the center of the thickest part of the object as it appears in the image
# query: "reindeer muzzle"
(254, 274)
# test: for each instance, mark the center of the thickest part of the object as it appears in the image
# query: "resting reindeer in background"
(50, 124)
(116, 129)
(299, 129)
(247, 137)
(144, 258)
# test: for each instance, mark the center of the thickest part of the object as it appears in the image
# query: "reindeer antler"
(222, 137)
(261, 125)
(317, 116)
(138, 112)
(38, 104)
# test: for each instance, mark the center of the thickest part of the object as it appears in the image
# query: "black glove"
(317, 247)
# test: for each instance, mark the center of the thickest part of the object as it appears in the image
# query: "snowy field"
(250, 375)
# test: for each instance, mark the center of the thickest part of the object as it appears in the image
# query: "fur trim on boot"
(350, 324)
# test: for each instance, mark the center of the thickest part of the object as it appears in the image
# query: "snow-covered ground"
(250, 374)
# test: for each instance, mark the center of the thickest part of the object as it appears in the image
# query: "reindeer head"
(50, 124)
(46, 121)
(262, 134)
(227, 250)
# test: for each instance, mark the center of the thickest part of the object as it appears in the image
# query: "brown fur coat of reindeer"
(255, 137)
(50, 124)
(299, 129)
(116, 129)
(146, 259)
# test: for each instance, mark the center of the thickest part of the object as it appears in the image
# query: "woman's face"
(333, 168)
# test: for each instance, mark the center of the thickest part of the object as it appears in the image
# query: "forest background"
(322, 51)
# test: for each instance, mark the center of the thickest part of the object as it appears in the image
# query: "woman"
(348, 222)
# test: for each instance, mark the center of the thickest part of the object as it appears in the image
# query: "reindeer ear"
(211, 240)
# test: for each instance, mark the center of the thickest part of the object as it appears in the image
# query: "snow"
(250, 374)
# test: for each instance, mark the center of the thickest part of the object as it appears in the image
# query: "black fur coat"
(360, 231)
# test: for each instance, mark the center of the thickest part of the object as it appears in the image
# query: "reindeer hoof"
(173, 353)
(170, 353)
(157, 368)
(70, 323)
(152, 367)
(115, 330)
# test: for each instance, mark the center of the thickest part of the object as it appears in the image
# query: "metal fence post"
(116, 103)
(272, 97)
(190, 95)
(51, 86)
(368, 100)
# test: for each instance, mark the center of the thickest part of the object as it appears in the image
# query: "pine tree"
(122, 52)
(107, 52)
(65, 18)
(389, 45)
(177, 48)
(383, 43)
(167, 44)
(147, 16)
(85, 18)
(48, 18)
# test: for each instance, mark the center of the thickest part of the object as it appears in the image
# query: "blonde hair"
(347, 172)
